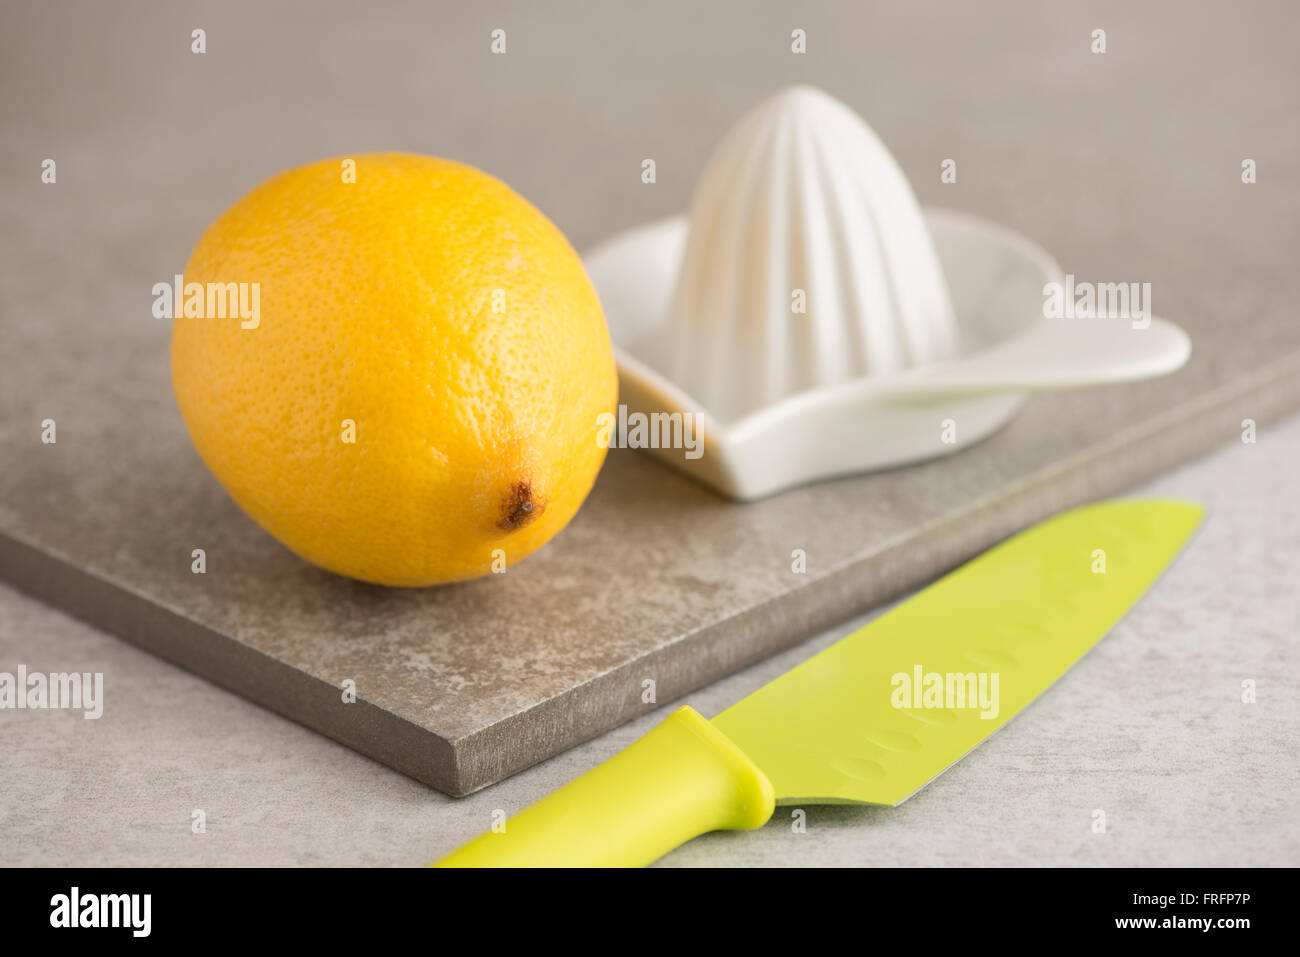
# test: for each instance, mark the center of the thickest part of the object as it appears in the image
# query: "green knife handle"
(681, 780)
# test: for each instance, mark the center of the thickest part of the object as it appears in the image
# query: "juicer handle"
(681, 780)
(1061, 354)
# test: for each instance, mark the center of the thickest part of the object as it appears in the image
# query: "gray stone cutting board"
(1124, 171)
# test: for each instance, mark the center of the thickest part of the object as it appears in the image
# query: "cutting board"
(658, 586)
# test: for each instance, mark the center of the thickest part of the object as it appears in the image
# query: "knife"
(876, 716)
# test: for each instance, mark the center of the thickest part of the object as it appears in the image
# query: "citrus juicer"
(813, 320)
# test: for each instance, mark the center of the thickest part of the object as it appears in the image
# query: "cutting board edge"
(364, 726)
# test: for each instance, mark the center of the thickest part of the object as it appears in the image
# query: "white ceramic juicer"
(813, 321)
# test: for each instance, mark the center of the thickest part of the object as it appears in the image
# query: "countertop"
(1149, 728)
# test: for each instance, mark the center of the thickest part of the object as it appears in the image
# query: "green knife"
(876, 716)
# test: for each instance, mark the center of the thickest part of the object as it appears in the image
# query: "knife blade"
(876, 716)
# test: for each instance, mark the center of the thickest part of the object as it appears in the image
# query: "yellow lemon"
(396, 365)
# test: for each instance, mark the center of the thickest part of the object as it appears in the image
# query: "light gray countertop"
(1149, 728)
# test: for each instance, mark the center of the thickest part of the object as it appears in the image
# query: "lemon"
(411, 391)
